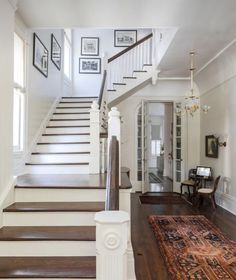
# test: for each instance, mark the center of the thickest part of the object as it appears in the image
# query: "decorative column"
(112, 229)
(94, 164)
(114, 130)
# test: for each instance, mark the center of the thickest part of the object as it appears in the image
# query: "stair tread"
(36, 233)
(61, 143)
(65, 134)
(48, 267)
(66, 126)
(78, 97)
(61, 153)
(63, 120)
(69, 102)
(77, 113)
(55, 207)
(77, 107)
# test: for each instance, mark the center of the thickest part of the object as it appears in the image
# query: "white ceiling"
(206, 26)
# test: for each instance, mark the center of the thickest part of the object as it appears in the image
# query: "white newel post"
(112, 229)
(114, 130)
(94, 164)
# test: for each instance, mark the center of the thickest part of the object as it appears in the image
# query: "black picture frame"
(89, 65)
(55, 52)
(40, 56)
(211, 146)
(125, 38)
(90, 46)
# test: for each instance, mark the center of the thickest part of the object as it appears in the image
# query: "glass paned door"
(145, 146)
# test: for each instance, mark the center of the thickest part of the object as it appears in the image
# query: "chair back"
(216, 184)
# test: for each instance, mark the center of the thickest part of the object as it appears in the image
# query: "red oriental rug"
(193, 248)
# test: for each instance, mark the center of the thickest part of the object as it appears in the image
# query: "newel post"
(114, 130)
(94, 164)
(111, 245)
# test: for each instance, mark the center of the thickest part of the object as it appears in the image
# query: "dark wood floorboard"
(149, 263)
(49, 267)
(56, 233)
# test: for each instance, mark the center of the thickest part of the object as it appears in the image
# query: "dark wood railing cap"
(130, 48)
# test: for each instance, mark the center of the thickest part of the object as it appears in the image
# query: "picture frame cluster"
(41, 54)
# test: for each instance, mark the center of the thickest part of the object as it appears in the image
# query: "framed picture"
(211, 146)
(125, 38)
(55, 52)
(89, 65)
(40, 56)
(90, 46)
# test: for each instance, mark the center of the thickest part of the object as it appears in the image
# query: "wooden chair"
(208, 193)
(192, 182)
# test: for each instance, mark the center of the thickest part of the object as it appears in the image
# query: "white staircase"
(64, 147)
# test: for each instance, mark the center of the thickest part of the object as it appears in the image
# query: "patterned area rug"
(193, 248)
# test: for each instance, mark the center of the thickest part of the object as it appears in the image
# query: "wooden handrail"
(112, 184)
(130, 48)
(102, 88)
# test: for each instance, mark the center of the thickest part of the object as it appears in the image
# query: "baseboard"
(7, 197)
(226, 201)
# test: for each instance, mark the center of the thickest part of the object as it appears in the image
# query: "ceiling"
(206, 26)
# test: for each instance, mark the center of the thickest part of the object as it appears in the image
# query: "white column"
(94, 164)
(114, 130)
(112, 228)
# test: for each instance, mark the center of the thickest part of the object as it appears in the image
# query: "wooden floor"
(149, 264)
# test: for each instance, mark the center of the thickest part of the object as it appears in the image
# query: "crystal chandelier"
(191, 102)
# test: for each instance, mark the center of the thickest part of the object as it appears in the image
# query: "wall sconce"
(221, 143)
(206, 108)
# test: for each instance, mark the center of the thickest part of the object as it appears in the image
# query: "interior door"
(145, 146)
(178, 152)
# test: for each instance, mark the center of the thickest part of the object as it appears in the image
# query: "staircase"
(49, 231)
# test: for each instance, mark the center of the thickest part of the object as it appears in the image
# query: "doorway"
(155, 140)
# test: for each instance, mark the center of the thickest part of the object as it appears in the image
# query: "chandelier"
(191, 102)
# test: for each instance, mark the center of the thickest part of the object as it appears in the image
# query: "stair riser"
(74, 104)
(62, 148)
(71, 116)
(57, 169)
(65, 138)
(73, 110)
(67, 130)
(54, 195)
(69, 123)
(47, 248)
(85, 99)
(60, 158)
(49, 219)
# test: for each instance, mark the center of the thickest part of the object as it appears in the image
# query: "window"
(19, 94)
(156, 148)
(67, 53)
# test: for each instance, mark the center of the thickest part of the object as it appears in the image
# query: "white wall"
(41, 92)
(89, 84)
(217, 84)
(162, 91)
(6, 97)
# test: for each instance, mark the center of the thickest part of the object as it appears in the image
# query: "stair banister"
(134, 57)
(112, 183)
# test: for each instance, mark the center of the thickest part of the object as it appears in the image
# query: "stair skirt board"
(58, 169)
(55, 148)
(60, 158)
(68, 116)
(64, 138)
(49, 219)
(78, 129)
(59, 195)
(47, 248)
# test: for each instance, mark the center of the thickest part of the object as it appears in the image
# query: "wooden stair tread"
(63, 120)
(77, 113)
(58, 163)
(65, 134)
(55, 207)
(37, 233)
(78, 97)
(77, 107)
(69, 102)
(61, 153)
(66, 126)
(48, 267)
